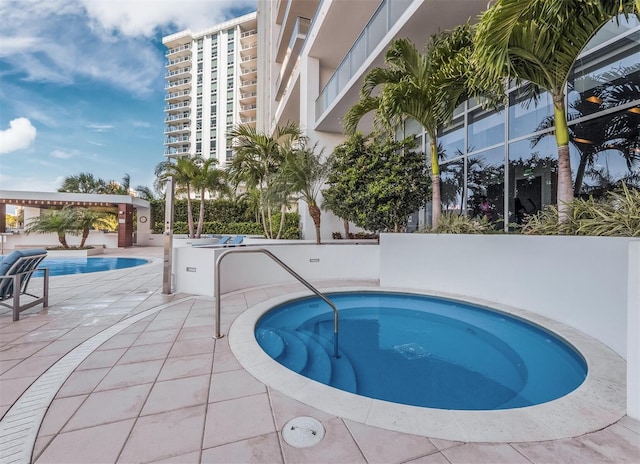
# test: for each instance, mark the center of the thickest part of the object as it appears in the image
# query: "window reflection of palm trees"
(615, 132)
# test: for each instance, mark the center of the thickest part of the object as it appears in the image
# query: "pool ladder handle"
(290, 271)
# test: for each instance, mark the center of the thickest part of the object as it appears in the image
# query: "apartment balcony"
(248, 110)
(184, 49)
(172, 151)
(177, 129)
(288, 13)
(177, 140)
(249, 58)
(177, 106)
(180, 95)
(248, 120)
(177, 61)
(185, 116)
(248, 48)
(298, 36)
(248, 85)
(249, 73)
(248, 36)
(180, 84)
(178, 73)
(247, 98)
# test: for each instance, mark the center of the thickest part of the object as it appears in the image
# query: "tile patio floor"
(161, 389)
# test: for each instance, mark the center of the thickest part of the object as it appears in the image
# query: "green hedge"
(221, 228)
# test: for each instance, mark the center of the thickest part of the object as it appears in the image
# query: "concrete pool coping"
(600, 400)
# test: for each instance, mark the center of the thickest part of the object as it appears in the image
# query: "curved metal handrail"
(286, 268)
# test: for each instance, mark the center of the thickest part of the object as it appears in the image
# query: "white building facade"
(315, 54)
(211, 87)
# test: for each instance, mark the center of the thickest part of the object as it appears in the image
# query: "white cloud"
(61, 154)
(19, 136)
(60, 41)
(100, 127)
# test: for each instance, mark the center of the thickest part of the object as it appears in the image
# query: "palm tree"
(257, 157)
(539, 41)
(83, 183)
(424, 86)
(207, 179)
(84, 219)
(304, 173)
(183, 171)
(61, 222)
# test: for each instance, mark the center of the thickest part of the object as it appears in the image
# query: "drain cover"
(303, 432)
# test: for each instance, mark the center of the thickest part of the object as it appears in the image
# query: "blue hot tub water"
(422, 351)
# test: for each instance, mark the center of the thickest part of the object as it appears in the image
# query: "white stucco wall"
(580, 281)
(194, 267)
(633, 332)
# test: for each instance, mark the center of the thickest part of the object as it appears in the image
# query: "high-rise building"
(211, 86)
(316, 53)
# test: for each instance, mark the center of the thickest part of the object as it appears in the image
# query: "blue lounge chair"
(223, 240)
(237, 240)
(16, 270)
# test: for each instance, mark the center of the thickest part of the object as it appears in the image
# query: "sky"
(82, 85)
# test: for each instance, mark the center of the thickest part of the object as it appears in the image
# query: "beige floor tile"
(336, 446)
(166, 324)
(119, 341)
(82, 332)
(146, 353)
(82, 382)
(58, 347)
(190, 333)
(109, 406)
(12, 389)
(41, 443)
(285, 409)
(474, 453)
(374, 444)
(165, 435)
(631, 424)
(257, 450)
(59, 412)
(190, 347)
(238, 419)
(22, 350)
(186, 366)
(94, 445)
(189, 458)
(42, 336)
(224, 361)
(176, 394)
(102, 358)
(617, 443)
(126, 375)
(560, 451)
(8, 364)
(234, 384)
(157, 336)
(435, 458)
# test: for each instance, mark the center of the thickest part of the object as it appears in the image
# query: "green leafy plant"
(616, 214)
(453, 223)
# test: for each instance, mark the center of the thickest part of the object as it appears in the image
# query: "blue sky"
(82, 85)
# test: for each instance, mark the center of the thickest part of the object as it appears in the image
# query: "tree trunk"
(565, 184)
(190, 214)
(436, 202)
(62, 238)
(85, 235)
(345, 223)
(283, 209)
(315, 212)
(200, 215)
(582, 167)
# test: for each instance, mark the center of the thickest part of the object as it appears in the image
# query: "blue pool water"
(422, 351)
(65, 266)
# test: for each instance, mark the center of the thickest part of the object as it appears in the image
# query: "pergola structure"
(125, 205)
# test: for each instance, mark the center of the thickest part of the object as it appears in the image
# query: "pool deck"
(115, 372)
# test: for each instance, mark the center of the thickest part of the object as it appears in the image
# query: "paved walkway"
(114, 371)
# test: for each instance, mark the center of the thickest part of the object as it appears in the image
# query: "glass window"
(605, 152)
(485, 185)
(230, 71)
(533, 177)
(527, 115)
(229, 107)
(486, 128)
(200, 41)
(230, 95)
(199, 135)
(451, 139)
(200, 56)
(199, 102)
(213, 134)
(199, 90)
(452, 186)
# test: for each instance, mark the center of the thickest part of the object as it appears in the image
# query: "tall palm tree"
(207, 179)
(304, 173)
(85, 219)
(424, 86)
(257, 157)
(84, 182)
(539, 41)
(183, 171)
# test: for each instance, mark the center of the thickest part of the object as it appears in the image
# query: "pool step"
(294, 355)
(343, 376)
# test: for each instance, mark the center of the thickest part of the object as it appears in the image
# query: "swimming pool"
(422, 351)
(66, 266)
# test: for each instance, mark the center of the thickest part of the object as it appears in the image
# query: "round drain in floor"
(303, 432)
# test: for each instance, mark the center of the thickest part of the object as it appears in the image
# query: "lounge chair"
(237, 240)
(224, 239)
(16, 270)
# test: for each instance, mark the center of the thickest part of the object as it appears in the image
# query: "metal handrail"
(290, 271)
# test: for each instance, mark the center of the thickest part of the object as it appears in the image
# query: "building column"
(3, 218)
(125, 225)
